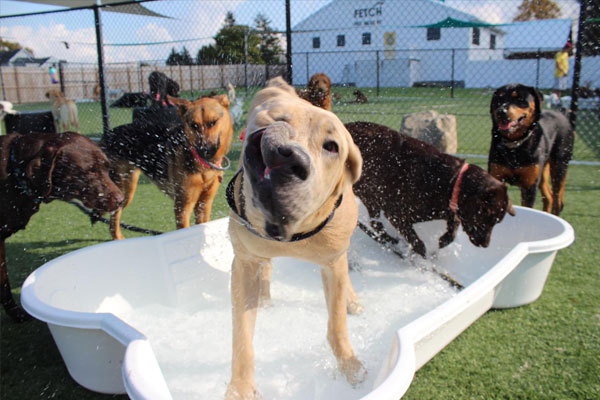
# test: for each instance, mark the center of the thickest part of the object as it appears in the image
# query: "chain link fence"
(405, 56)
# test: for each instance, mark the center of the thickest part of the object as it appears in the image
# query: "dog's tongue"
(506, 126)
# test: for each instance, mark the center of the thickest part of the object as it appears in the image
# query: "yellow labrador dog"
(64, 111)
(292, 197)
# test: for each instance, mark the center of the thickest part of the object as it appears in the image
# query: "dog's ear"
(280, 83)
(39, 170)
(539, 100)
(354, 162)
(181, 104)
(223, 99)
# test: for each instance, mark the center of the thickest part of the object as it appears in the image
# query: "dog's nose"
(290, 160)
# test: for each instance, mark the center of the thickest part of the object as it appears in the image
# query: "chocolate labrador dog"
(41, 167)
(410, 181)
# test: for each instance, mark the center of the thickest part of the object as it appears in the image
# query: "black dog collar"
(229, 194)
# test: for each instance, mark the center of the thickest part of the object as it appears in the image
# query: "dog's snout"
(291, 160)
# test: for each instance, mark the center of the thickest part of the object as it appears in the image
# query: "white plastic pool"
(151, 316)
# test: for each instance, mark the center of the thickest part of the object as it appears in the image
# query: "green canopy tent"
(456, 23)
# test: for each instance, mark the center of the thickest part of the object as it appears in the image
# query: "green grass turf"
(547, 350)
(470, 106)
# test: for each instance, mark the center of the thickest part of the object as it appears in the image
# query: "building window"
(434, 33)
(492, 42)
(476, 34)
(341, 40)
(316, 43)
(366, 38)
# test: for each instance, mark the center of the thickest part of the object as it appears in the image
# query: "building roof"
(5, 56)
(399, 13)
(549, 34)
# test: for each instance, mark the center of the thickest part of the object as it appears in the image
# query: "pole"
(577, 67)
(377, 69)
(452, 76)
(101, 77)
(537, 68)
(61, 77)
(246, 59)
(288, 34)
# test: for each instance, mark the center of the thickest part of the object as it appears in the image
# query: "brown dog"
(530, 147)
(318, 92)
(291, 197)
(38, 168)
(64, 111)
(360, 97)
(410, 181)
(183, 159)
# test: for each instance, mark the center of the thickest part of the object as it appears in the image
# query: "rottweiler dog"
(530, 148)
(185, 158)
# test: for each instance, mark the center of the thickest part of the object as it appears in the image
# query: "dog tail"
(73, 115)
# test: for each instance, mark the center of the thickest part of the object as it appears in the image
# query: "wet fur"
(409, 181)
(52, 167)
(290, 182)
(162, 151)
(318, 91)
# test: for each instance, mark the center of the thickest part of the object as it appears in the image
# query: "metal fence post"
(452, 75)
(537, 68)
(288, 34)
(307, 68)
(577, 67)
(2, 83)
(377, 69)
(100, 49)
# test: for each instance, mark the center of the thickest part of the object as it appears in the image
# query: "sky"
(189, 19)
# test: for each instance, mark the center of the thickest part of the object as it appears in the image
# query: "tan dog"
(64, 111)
(318, 92)
(185, 160)
(292, 197)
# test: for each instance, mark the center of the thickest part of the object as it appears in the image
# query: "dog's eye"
(195, 126)
(210, 124)
(331, 146)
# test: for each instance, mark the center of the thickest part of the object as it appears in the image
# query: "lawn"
(549, 349)
(470, 106)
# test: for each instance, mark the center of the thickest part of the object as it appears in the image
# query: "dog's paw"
(353, 307)
(242, 392)
(354, 370)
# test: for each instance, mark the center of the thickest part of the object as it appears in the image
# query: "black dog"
(410, 181)
(130, 100)
(530, 147)
(161, 86)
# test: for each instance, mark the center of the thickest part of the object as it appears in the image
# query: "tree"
(177, 58)
(537, 9)
(6, 45)
(269, 48)
(230, 43)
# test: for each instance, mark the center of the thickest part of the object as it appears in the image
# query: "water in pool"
(293, 358)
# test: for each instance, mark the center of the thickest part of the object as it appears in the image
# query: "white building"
(346, 38)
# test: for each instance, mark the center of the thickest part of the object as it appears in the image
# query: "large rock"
(433, 128)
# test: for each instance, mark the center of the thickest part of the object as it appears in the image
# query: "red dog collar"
(456, 190)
